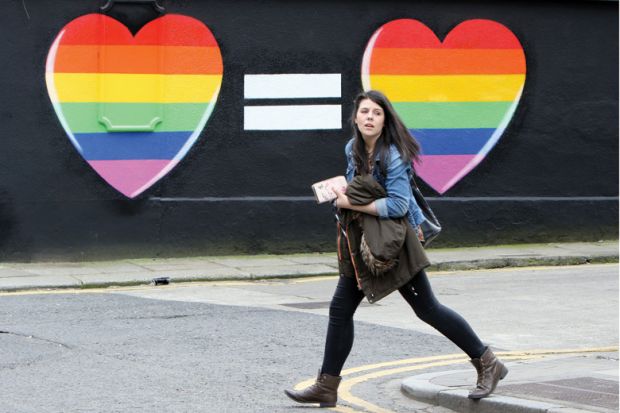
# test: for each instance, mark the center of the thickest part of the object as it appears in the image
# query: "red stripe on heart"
(472, 34)
(174, 30)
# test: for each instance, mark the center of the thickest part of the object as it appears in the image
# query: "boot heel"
(327, 404)
(504, 372)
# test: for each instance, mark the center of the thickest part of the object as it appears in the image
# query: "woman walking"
(379, 249)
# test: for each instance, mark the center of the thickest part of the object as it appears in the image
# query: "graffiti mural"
(133, 106)
(455, 96)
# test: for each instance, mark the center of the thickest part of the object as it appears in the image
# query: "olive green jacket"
(382, 254)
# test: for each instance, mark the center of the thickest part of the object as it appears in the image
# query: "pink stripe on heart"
(443, 171)
(133, 176)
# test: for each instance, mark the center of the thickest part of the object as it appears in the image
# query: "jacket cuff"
(381, 205)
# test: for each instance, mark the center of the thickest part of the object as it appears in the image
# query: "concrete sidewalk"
(537, 382)
(25, 276)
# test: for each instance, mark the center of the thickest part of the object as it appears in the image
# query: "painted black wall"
(562, 141)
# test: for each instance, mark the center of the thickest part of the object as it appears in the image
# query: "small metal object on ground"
(160, 281)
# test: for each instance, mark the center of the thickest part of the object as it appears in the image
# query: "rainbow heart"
(133, 106)
(456, 97)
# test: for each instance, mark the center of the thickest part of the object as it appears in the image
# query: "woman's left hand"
(420, 233)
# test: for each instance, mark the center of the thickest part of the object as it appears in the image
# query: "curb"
(420, 388)
(74, 282)
(522, 262)
(276, 272)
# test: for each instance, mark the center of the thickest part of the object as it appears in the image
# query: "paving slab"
(34, 282)
(252, 261)
(290, 270)
(180, 265)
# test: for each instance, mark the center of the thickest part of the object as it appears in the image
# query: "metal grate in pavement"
(588, 391)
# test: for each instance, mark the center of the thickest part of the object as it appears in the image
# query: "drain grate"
(583, 390)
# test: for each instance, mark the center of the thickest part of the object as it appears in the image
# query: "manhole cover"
(583, 390)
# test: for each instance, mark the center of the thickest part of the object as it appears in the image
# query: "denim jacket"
(399, 201)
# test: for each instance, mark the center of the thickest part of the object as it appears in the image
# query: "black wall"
(562, 141)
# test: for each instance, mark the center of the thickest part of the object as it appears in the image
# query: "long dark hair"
(394, 132)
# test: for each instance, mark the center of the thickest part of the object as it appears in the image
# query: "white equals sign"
(294, 116)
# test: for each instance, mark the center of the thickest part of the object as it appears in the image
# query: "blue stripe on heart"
(131, 145)
(452, 141)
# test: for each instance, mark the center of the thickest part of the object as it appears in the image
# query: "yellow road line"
(114, 289)
(516, 353)
(453, 359)
(313, 279)
(175, 284)
(346, 386)
(78, 290)
(421, 363)
(404, 361)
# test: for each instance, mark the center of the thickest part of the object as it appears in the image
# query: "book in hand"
(323, 189)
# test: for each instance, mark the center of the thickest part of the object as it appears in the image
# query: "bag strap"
(413, 178)
(413, 182)
(421, 201)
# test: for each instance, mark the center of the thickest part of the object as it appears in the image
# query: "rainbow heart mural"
(455, 96)
(133, 106)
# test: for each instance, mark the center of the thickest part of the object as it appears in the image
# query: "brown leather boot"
(324, 391)
(490, 372)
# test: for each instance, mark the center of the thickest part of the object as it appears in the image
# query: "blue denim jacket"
(399, 201)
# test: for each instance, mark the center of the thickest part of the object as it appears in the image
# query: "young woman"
(384, 149)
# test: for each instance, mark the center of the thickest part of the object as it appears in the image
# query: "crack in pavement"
(30, 336)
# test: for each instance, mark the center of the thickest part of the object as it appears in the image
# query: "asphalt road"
(233, 346)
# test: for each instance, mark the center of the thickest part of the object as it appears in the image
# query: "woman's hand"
(420, 233)
(341, 201)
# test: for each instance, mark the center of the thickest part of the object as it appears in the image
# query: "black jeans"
(418, 294)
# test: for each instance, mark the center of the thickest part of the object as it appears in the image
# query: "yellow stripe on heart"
(449, 88)
(151, 88)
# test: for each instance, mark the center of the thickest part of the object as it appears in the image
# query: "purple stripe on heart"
(443, 171)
